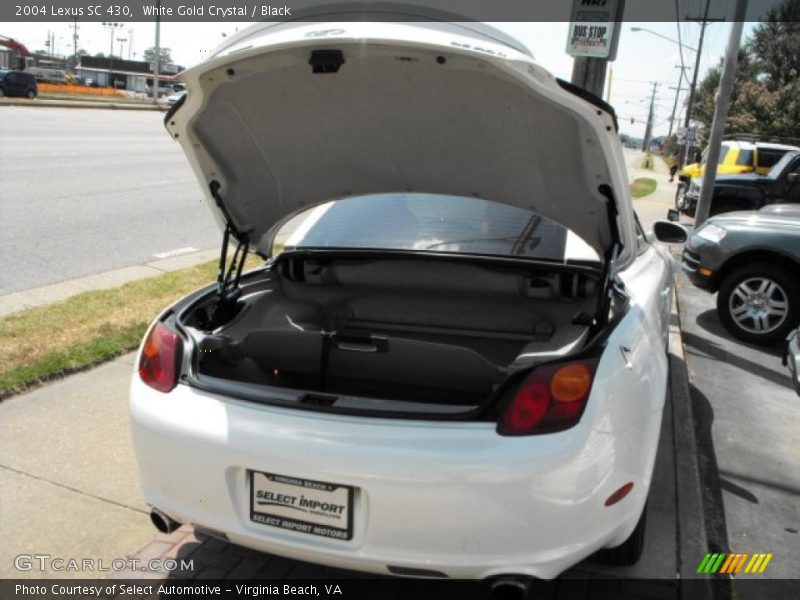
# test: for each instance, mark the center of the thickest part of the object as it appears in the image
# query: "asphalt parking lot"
(746, 414)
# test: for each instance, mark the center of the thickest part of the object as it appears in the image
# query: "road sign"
(593, 31)
(691, 135)
(681, 134)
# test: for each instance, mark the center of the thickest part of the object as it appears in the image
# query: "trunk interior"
(430, 331)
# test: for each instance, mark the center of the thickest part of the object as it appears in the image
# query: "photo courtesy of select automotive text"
(400, 299)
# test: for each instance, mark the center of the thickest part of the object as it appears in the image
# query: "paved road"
(746, 414)
(86, 191)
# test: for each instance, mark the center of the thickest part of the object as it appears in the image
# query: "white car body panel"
(451, 497)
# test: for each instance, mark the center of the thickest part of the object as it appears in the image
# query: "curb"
(692, 533)
(44, 103)
(56, 292)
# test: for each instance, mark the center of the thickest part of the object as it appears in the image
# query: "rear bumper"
(455, 498)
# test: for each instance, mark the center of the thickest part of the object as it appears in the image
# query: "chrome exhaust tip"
(162, 522)
(509, 588)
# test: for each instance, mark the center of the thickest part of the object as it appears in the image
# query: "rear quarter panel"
(631, 379)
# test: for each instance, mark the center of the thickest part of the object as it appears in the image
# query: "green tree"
(164, 53)
(766, 92)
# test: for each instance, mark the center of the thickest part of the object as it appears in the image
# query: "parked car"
(752, 259)
(737, 157)
(175, 97)
(454, 363)
(792, 357)
(18, 83)
(750, 192)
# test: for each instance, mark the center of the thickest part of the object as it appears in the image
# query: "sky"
(643, 58)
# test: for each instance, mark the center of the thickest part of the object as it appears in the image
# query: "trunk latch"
(326, 61)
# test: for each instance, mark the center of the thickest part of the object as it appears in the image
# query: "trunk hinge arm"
(611, 285)
(228, 275)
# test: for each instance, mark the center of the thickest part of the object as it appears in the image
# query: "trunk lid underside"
(284, 129)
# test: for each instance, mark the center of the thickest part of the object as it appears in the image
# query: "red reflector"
(551, 398)
(161, 354)
(619, 494)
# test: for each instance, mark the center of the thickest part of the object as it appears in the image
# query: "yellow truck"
(738, 156)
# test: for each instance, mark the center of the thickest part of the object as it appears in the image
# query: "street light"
(663, 37)
(121, 41)
(111, 27)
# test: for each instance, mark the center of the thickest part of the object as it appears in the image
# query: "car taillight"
(161, 358)
(551, 398)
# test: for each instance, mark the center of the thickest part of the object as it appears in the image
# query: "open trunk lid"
(287, 116)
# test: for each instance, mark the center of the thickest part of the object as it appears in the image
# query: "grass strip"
(45, 342)
(642, 186)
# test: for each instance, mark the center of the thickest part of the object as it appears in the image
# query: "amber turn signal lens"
(570, 383)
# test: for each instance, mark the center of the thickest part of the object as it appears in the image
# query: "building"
(131, 75)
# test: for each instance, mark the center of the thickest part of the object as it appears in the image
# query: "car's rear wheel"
(759, 303)
(629, 552)
(31, 94)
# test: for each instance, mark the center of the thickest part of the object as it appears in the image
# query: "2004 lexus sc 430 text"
(453, 360)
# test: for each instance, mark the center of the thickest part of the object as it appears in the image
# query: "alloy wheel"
(758, 305)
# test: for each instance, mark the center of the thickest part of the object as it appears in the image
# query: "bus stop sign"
(594, 28)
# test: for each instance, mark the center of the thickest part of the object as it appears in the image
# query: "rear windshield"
(433, 223)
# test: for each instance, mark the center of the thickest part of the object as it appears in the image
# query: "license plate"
(302, 505)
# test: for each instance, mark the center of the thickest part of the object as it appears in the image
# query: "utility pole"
(677, 95)
(75, 43)
(648, 131)
(721, 113)
(157, 59)
(704, 21)
(590, 73)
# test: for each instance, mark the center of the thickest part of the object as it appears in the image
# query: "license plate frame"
(273, 490)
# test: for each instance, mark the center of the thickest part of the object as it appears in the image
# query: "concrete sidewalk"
(68, 478)
(654, 206)
(11, 303)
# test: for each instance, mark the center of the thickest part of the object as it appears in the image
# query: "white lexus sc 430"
(452, 363)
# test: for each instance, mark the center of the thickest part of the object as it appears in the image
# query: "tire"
(759, 303)
(31, 94)
(630, 551)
